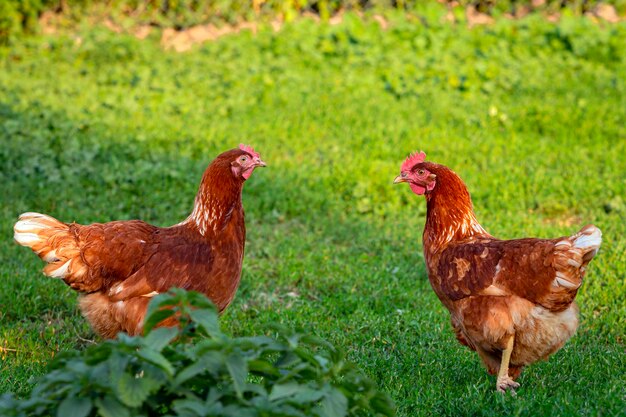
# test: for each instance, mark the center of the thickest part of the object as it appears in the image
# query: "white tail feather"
(26, 239)
(565, 283)
(573, 254)
(27, 225)
(50, 256)
(563, 243)
(61, 271)
(574, 263)
(590, 238)
(32, 214)
(54, 242)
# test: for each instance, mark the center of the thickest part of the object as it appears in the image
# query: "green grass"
(96, 127)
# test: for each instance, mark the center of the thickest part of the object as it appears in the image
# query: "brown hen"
(512, 301)
(118, 266)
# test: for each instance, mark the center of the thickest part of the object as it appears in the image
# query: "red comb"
(249, 149)
(413, 159)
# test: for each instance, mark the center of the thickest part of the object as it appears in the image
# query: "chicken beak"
(260, 163)
(399, 179)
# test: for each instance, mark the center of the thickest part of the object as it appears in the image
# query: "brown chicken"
(512, 301)
(118, 266)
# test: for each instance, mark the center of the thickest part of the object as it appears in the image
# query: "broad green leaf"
(157, 359)
(99, 374)
(155, 318)
(238, 370)
(263, 367)
(74, 407)
(285, 390)
(194, 405)
(133, 390)
(288, 410)
(212, 361)
(77, 367)
(256, 390)
(323, 362)
(117, 365)
(208, 345)
(306, 355)
(261, 342)
(316, 341)
(157, 339)
(207, 319)
(298, 370)
(214, 396)
(334, 404)
(308, 395)
(288, 359)
(200, 301)
(110, 407)
(235, 410)
(62, 376)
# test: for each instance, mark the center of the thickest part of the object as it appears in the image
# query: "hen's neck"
(450, 214)
(218, 197)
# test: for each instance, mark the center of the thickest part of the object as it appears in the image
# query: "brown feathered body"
(496, 289)
(119, 266)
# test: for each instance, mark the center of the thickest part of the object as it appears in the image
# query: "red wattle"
(246, 174)
(417, 189)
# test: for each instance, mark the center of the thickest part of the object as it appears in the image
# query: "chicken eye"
(420, 172)
(243, 159)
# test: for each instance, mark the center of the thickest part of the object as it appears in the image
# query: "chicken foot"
(505, 382)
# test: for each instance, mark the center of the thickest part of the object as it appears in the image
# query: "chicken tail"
(573, 254)
(588, 241)
(53, 242)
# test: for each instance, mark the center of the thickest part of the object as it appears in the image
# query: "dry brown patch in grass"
(48, 21)
(605, 12)
(474, 17)
(185, 39)
(142, 31)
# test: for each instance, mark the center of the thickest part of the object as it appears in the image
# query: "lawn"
(96, 126)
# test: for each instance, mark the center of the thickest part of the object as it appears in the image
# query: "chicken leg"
(505, 382)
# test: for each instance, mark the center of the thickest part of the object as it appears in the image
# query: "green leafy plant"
(196, 370)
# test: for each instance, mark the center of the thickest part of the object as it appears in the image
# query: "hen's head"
(415, 171)
(241, 161)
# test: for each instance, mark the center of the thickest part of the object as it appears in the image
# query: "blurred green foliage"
(195, 370)
(18, 16)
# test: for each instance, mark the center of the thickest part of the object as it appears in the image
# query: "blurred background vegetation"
(22, 16)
